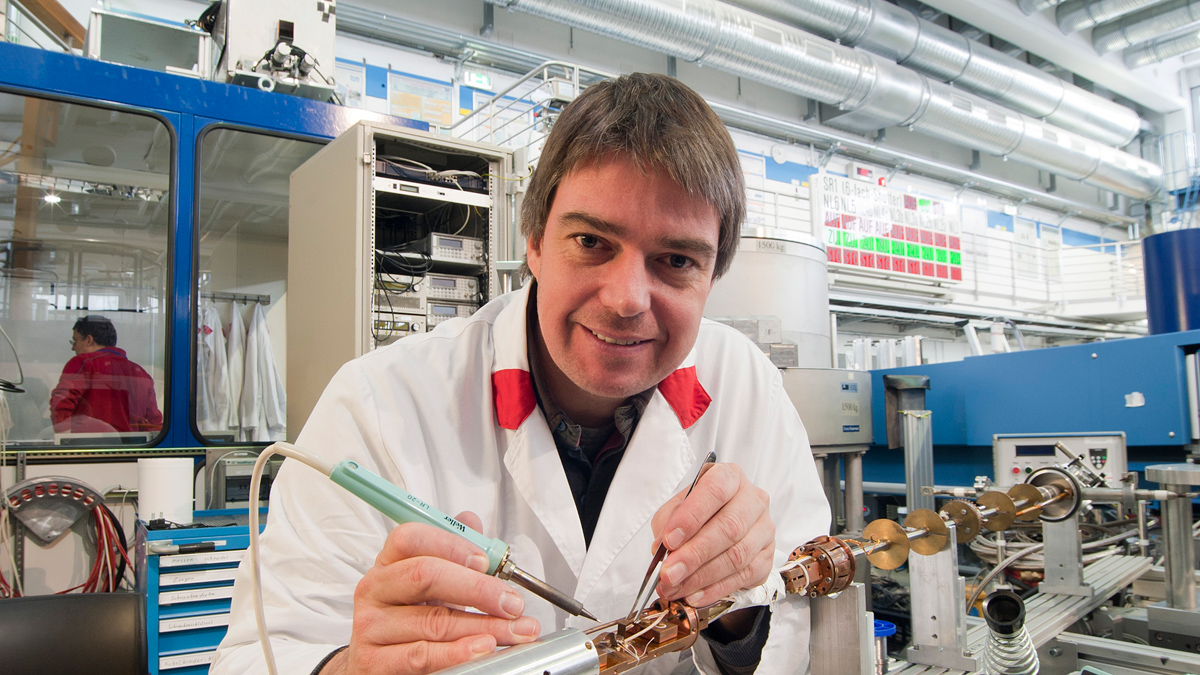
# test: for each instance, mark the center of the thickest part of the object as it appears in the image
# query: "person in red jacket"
(101, 390)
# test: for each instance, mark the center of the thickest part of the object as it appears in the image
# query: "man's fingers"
(411, 540)
(435, 624)
(414, 581)
(661, 516)
(419, 658)
(471, 520)
(730, 525)
(714, 489)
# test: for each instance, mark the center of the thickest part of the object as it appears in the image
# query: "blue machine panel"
(1061, 389)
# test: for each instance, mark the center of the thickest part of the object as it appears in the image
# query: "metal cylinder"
(567, 652)
(1181, 554)
(782, 274)
(1177, 530)
(854, 491)
(1172, 269)
(883, 630)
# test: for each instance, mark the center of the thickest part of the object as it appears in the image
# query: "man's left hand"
(720, 539)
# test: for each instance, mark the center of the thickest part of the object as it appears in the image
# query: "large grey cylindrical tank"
(780, 273)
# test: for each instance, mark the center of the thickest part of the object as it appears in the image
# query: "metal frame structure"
(189, 107)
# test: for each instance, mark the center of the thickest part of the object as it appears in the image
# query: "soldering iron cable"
(290, 451)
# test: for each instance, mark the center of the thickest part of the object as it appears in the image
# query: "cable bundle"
(112, 558)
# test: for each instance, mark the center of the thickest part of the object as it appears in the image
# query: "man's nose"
(626, 286)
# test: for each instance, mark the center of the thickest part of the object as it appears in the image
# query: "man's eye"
(679, 261)
(587, 241)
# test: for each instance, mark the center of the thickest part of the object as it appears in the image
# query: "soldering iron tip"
(586, 614)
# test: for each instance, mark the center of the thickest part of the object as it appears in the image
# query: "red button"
(1016, 469)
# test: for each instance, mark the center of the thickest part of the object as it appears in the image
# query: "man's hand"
(407, 616)
(720, 539)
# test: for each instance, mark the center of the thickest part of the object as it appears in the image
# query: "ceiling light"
(52, 199)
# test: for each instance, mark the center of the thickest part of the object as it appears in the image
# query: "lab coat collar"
(512, 385)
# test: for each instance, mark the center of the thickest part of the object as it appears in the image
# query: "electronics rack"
(379, 208)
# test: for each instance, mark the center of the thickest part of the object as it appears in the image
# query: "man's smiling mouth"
(614, 341)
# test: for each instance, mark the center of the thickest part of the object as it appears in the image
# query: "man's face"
(623, 271)
(77, 343)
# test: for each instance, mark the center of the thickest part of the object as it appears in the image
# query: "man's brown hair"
(661, 124)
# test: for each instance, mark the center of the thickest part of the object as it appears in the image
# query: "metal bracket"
(939, 620)
(843, 634)
(1064, 559)
(828, 154)
(963, 188)
(903, 166)
(1066, 216)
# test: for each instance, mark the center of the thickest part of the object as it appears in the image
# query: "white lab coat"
(212, 374)
(264, 399)
(235, 359)
(451, 416)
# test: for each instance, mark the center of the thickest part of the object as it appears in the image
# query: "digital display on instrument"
(449, 243)
(442, 282)
(444, 310)
(1035, 450)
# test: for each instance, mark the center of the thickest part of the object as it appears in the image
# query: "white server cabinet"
(362, 211)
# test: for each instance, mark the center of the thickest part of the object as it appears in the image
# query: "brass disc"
(1032, 496)
(1005, 513)
(966, 517)
(896, 552)
(939, 534)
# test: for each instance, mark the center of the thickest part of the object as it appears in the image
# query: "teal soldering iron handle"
(402, 507)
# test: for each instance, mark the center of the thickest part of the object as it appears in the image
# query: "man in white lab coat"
(566, 419)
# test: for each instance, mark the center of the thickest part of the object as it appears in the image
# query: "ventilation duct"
(1034, 6)
(1162, 49)
(1076, 15)
(872, 92)
(1145, 25)
(901, 36)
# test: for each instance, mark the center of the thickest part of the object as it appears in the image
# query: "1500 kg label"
(772, 246)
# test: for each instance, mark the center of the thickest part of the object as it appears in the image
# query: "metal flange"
(1031, 495)
(966, 517)
(896, 551)
(1005, 513)
(938, 534)
(1060, 479)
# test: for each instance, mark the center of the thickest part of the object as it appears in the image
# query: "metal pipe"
(871, 92)
(1181, 556)
(1076, 15)
(1034, 6)
(1161, 49)
(1143, 542)
(854, 491)
(901, 35)
(1145, 25)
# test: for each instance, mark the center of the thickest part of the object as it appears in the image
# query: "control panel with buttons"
(1015, 456)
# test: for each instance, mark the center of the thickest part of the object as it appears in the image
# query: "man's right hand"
(407, 616)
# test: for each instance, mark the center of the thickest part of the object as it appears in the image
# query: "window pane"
(242, 231)
(84, 214)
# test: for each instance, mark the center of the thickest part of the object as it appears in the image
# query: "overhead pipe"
(871, 92)
(391, 29)
(1160, 50)
(1146, 25)
(901, 35)
(1076, 15)
(1031, 7)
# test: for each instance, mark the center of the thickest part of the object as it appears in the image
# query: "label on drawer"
(193, 622)
(210, 558)
(176, 597)
(197, 577)
(182, 660)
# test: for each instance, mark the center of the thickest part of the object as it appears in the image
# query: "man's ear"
(533, 258)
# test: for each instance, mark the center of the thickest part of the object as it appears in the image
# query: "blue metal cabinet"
(188, 594)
